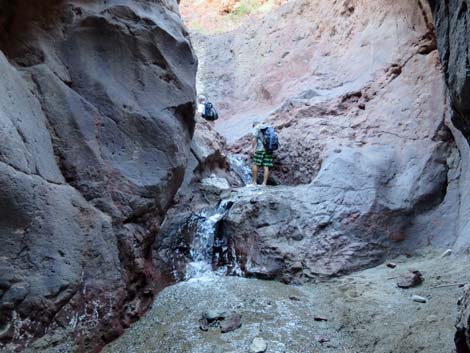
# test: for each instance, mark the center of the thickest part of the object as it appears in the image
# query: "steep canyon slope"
(356, 91)
(452, 20)
(96, 115)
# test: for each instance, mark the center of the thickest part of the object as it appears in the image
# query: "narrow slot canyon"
(131, 222)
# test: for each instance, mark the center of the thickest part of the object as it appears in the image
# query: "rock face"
(451, 24)
(207, 177)
(356, 92)
(451, 19)
(361, 74)
(96, 114)
(365, 204)
(462, 338)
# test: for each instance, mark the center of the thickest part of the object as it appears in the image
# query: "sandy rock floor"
(366, 312)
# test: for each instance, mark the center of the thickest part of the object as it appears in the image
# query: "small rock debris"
(411, 279)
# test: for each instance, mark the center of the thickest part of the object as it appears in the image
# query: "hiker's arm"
(253, 146)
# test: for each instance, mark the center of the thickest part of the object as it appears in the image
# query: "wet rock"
(215, 314)
(258, 345)
(231, 323)
(391, 265)
(204, 325)
(411, 279)
(213, 187)
(418, 299)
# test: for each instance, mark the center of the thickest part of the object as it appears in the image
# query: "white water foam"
(202, 246)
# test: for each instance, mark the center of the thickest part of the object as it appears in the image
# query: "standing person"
(201, 105)
(261, 156)
(206, 109)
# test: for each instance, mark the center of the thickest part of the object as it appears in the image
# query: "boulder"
(258, 345)
(213, 187)
(358, 210)
(231, 323)
(411, 279)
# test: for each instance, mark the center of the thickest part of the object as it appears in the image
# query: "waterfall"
(205, 241)
(241, 169)
(209, 247)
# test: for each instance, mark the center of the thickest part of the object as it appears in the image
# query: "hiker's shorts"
(263, 159)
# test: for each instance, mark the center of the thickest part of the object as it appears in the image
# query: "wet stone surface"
(365, 312)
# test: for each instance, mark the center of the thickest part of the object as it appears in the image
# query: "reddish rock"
(411, 279)
(231, 323)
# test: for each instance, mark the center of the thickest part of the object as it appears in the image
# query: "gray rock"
(96, 116)
(462, 334)
(215, 314)
(446, 253)
(213, 187)
(451, 23)
(353, 215)
(321, 339)
(451, 18)
(258, 345)
(418, 299)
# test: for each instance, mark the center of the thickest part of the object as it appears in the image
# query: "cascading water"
(204, 242)
(209, 248)
(239, 167)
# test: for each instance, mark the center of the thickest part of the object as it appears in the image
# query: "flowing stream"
(241, 169)
(209, 247)
(205, 241)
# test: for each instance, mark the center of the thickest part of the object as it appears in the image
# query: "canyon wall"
(452, 20)
(452, 26)
(368, 162)
(96, 115)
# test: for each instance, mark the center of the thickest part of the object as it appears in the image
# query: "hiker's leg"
(255, 174)
(266, 176)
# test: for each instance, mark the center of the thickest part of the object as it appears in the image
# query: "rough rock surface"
(365, 204)
(365, 313)
(462, 340)
(96, 115)
(208, 160)
(356, 93)
(357, 74)
(451, 18)
(452, 27)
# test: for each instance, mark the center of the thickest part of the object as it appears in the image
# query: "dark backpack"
(270, 139)
(209, 112)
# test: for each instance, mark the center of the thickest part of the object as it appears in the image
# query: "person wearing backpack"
(206, 110)
(265, 142)
(201, 108)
